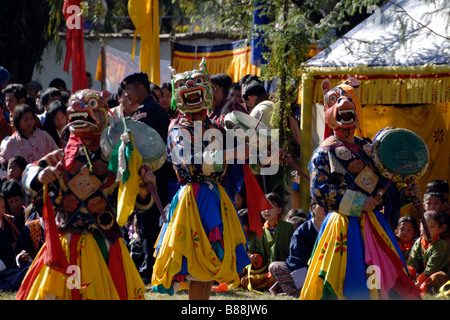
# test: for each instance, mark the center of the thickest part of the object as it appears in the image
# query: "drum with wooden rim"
(146, 139)
(399, 154)
(247, 129)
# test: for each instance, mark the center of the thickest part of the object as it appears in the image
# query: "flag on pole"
(145, 17)
(75, 46)
(125, 161)
(55, 257)
(256, 201)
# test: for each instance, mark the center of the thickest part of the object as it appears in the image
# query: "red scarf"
(70, 151)
(406, 246)
(271, 229)
(425, 244)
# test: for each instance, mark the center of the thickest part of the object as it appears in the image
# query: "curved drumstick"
(151, 187)
(381, 193)
(288, 160)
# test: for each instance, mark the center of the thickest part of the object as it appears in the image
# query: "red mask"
(341, 106)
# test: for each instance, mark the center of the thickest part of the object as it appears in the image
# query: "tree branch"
(418, 22)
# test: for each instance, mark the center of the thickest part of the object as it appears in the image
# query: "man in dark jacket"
(136, 88)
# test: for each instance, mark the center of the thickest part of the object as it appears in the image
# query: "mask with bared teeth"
(341, 105)
(192, 90)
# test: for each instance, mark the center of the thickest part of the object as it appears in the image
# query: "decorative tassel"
(173, 102)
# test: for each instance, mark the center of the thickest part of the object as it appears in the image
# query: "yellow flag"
(128, 191)
(145, 17)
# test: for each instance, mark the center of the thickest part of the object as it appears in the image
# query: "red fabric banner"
(75, 45)
(256, 201)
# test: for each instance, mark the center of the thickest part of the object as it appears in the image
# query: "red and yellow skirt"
(89, 276)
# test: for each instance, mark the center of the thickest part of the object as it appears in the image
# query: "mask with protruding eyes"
(339, 107)
(193, 90)
(87, 112)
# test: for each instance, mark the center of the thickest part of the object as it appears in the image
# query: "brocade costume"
(84, 197)
(203, 239)
(356, 255)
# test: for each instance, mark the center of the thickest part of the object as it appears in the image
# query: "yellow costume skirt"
(357, 258)
(90, 278)
(203, 238)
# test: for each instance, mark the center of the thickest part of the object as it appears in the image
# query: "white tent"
(401, 33)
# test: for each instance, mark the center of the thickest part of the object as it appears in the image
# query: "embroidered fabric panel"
(336, 169)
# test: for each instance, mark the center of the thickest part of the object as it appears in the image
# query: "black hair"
(438, 185)
(235, 86)
(223, 80)
(12, 188)
(53, 108)
(120, 91)
(113, 100)
(411, 220)
(167, 85)
(296, 221)
(17, 89)
(20, 161)
(436, 194)
(58, 83)
(65, 96)
(243, 214)
(19, 112)
(296, 212)
(435, 215)
(247, 78)
(253, 88)
(153, 87)
(275, 198)
(36, 86)
(49, 92)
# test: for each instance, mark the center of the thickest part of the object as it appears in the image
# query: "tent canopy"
(390, 38)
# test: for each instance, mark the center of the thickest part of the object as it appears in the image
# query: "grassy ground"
(231, 294)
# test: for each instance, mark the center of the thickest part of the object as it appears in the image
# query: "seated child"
(16, 166)
(8, 224)
(14, 196)
(428, 263)
(32, 235)
(406, 232)
(435, 201)
(290, 274)
(272, 246)
(251, 236)
(440, 186)
(11, 276)
(296, 216)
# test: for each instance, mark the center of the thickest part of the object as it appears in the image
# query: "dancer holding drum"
(356, 255)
